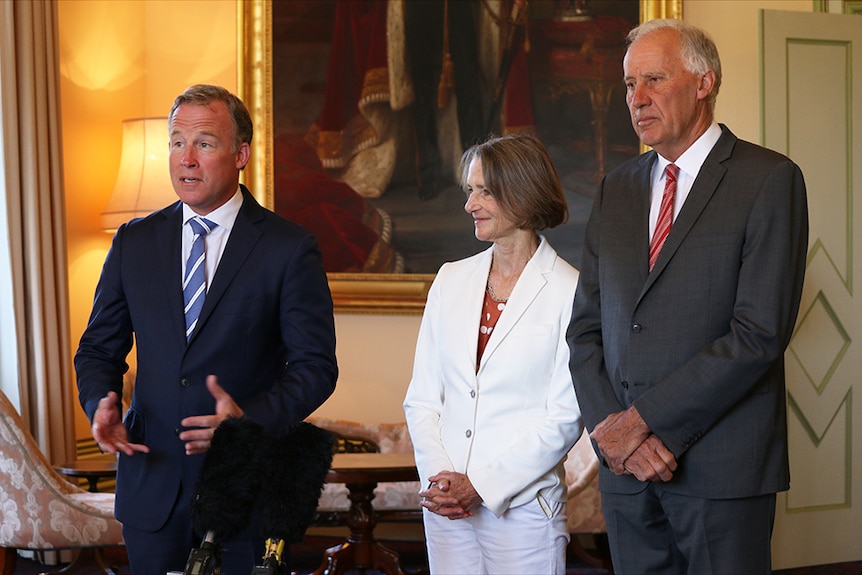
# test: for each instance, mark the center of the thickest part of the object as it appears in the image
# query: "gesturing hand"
(199, 438)
(108, 429)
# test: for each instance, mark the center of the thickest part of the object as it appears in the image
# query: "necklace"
(493, 295)
(513, 279)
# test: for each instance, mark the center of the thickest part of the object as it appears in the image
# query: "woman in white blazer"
(491, 407)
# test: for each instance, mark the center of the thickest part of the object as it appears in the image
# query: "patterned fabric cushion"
(39, 509)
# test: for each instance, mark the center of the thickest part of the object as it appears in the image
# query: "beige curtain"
(35, 204)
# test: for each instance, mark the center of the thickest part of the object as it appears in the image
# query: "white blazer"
(509, 426)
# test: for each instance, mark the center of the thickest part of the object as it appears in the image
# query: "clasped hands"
(111, 436)
(450, 494)
(630, 448)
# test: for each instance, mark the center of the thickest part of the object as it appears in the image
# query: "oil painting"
(368, 106)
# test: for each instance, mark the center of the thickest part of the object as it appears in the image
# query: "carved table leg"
(336, 560)
(360, 551)
(386, 560)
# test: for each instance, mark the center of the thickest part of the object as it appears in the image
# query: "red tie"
(665, 214)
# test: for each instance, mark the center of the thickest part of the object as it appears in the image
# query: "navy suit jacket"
(266, 330)
(697, 345)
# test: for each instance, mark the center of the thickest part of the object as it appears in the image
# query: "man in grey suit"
(262, 344)
(678, 364)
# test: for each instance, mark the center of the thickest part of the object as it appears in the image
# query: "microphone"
(226, 491)
(292, 472)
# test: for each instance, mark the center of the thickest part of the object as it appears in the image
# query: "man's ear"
(707, 85)
(242, 155)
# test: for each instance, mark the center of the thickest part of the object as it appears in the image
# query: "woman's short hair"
(204, 94)
(518, 171)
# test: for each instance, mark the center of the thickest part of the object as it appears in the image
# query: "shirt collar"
(224, 215)
(692, 159)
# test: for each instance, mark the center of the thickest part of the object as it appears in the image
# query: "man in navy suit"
(263, 345)
(678, 366)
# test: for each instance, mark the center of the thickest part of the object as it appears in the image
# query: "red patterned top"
(491, 310)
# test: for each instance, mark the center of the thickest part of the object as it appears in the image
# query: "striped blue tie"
(195, 282)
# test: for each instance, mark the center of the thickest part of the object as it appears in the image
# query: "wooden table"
(361, 472)
(92, 470)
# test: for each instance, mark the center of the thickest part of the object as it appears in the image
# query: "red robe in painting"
(352, 234)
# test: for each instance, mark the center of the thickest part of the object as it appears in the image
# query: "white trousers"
(523, 541)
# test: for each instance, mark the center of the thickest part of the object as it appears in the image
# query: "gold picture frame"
(352, 292)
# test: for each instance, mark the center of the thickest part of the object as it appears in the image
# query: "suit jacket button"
(625, 385)
(636, 327)
(185, 383)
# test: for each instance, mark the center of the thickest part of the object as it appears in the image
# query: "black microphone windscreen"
(293, 472)
(228, 486)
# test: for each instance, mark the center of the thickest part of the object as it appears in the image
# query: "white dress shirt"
(689, 164)
(216, 240)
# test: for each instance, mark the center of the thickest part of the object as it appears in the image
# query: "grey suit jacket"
(696, 345)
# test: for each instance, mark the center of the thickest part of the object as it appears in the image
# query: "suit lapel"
(243, 237)
(707, 182)
(641, 208)
(168, 243)
(529, 285)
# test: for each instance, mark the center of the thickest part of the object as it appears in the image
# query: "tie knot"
(671, 172)
(201, 226)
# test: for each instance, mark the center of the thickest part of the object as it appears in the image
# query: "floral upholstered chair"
(39, 509)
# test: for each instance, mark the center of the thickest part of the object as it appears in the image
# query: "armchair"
(39, 509)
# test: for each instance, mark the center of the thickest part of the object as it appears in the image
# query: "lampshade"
(143, 181)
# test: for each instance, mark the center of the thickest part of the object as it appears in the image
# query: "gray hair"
(698, 51)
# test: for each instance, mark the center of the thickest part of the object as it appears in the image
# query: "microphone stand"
(272, 559)
(291, 479)
(206, 559)
(226, 491)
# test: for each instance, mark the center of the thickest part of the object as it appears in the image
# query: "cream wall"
(735, 27)
(125, 59)
(375, 356)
